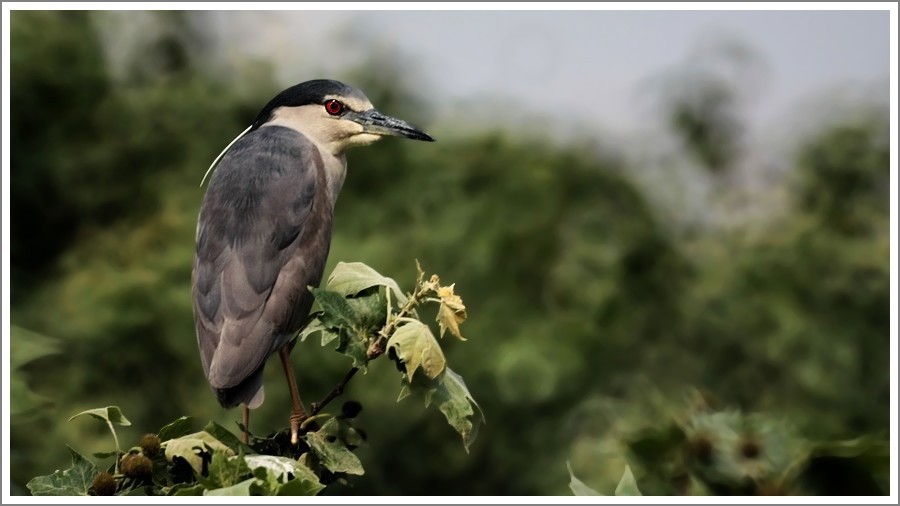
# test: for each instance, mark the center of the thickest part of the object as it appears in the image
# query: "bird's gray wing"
(259, 245)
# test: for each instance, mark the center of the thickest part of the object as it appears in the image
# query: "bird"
(264, 233)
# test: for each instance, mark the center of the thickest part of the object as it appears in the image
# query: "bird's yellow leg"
(298, 413)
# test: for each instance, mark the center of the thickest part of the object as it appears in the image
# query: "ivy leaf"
(416, 346)
(73, 481)
(350, 278)
(190, 447)
(109, 414)
(452, 311)
(627, 485)
(577, 486)
(177, 428)
(330, 448)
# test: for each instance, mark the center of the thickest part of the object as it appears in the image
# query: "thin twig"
(376, 349)
(338, 390)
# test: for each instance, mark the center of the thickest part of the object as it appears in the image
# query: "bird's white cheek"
(363, 139)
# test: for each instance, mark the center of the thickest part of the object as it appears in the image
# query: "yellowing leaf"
(190, 446)
(452, 311)
(416, 346)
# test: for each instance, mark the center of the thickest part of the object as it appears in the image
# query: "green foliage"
(701, 451)
(590, 294)
(214, 461)
(626, 487)
(73, 481)
(29, 347)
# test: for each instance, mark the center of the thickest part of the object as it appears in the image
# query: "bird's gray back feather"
(262, 238)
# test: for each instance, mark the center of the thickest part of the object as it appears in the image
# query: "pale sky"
(593, 67)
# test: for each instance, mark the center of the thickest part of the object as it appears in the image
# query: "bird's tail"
(249, 392)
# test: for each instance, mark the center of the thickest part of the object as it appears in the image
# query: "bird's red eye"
(334, 107)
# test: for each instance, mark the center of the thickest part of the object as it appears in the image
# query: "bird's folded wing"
(250, 267)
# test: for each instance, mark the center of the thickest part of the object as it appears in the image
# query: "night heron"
(264, 232)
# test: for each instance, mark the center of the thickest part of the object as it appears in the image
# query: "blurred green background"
(593, 293)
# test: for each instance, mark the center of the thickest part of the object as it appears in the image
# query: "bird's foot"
(296, 420)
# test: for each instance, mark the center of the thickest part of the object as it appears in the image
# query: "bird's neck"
(335, 172)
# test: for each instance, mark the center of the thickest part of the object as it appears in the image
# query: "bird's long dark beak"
(374, 122)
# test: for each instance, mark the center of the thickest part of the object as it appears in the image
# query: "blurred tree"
(103, 215)
(57, 81)
(585, 299)
(703, 100)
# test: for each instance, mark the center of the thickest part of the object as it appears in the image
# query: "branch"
(377, 348)
(338, 390)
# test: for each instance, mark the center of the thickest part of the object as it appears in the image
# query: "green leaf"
(190, 446)
(226, 469)
(416, 346)
(453, 399)
(455, 402)
(108, 414)
(859, 447)
(281, 467)
(23, 401)
(328, 334)
(225, 436)
(178, 428)
(300, 488)
(314, 325)
(184, 489)
(627, 485)
(353, 346)
(73, 481)
(304, 482)
(578, 487)
(656, 444)
(267, 481)
(336, 312)
(246, 487)
(103, 455)
(370, 313)
(329, 444)
(26, 346)
(354, 277)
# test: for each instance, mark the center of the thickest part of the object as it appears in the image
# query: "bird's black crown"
(309, 92)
